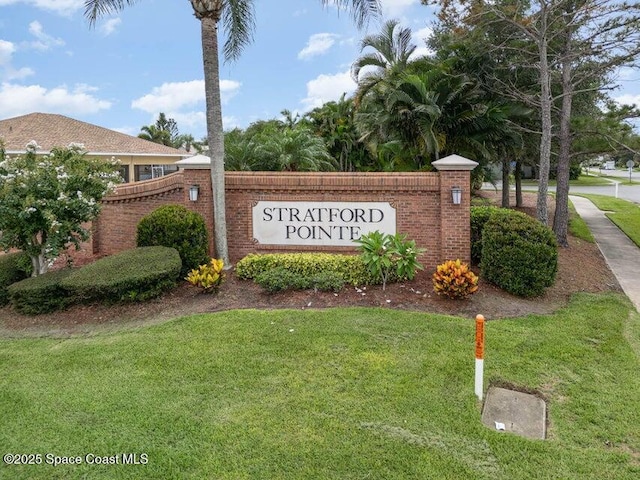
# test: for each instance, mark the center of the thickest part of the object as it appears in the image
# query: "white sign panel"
(320, 223)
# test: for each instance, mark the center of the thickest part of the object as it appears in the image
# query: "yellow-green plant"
(208, 276)
(454, 279)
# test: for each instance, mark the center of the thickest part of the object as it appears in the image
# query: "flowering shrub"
(208, 276)
(386, 254)
(454, 280)
(44, 200)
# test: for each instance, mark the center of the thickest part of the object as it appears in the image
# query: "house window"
(124, 173)
(147, 172)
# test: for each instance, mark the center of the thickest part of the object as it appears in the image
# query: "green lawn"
(577, 226)
(582, 181)
(623, 180)
(334, 394)
(626, 215)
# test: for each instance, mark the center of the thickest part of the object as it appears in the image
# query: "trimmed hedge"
(519, 254)
(177, 227)
(132, 275)
(41, 294)
(12, 269)
(279, 279)
(479, 216)
(350, 267)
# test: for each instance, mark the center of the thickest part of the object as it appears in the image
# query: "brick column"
(455, 171)
(201, 177)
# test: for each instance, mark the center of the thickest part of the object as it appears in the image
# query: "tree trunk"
(39, 264)
(561, 217)
(215, 134)
(518, 178)
(505, 182)
(545, 141)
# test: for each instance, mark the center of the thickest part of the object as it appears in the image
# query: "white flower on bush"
(44, 185)
(32, 146)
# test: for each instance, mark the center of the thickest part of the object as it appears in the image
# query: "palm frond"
(94, 9)
(361, 10)
(238, 18)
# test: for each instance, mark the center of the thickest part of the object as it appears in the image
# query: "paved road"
(626, 192)
(621, 254)
(622, 174)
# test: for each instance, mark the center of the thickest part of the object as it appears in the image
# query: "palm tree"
(164, 131)
(155, 135)
(334, 121)
(239, 151)
(237, 19)
(404, 111)
(295, 150)
(389, 55)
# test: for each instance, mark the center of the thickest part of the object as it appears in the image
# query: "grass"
(334, 394)
(582, 181)
(626, 215)
(621, 180)
(578, 227)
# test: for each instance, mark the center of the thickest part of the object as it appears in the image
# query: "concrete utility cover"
(516, 412)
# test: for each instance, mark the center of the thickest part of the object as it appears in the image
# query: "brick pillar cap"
(197, 162)
(455, 162)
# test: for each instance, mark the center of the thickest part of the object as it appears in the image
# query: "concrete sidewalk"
(621, 254)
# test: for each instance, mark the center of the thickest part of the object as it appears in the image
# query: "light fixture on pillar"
(456, 195)
(193, 192)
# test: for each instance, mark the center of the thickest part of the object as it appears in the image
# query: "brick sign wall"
(319, 209)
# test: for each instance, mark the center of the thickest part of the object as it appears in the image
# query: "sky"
(148, 59)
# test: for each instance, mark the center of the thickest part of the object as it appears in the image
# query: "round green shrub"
(479, 216)
(13, 268)
(132, 275)
(519, 254)
(41, 294)
(177, 227)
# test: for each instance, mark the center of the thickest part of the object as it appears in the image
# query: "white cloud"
(318, 44)
(43, 41)
(7, 71)
(22, 99)
(229, 123)
(177, 95)
(6, 52)
(628, 99)
(396, 8)
(108, 27)
(62, 7)
(189, 121)
(13, 74)
(419, 38)
(326, 88)
(133, 131)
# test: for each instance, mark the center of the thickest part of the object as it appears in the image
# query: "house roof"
(52, 130)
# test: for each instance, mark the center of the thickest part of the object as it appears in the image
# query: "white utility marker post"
(479, 356)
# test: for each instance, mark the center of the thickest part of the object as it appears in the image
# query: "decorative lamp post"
(456, 195)
(193, 192)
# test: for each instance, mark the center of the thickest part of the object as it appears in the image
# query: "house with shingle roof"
(139, 159)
